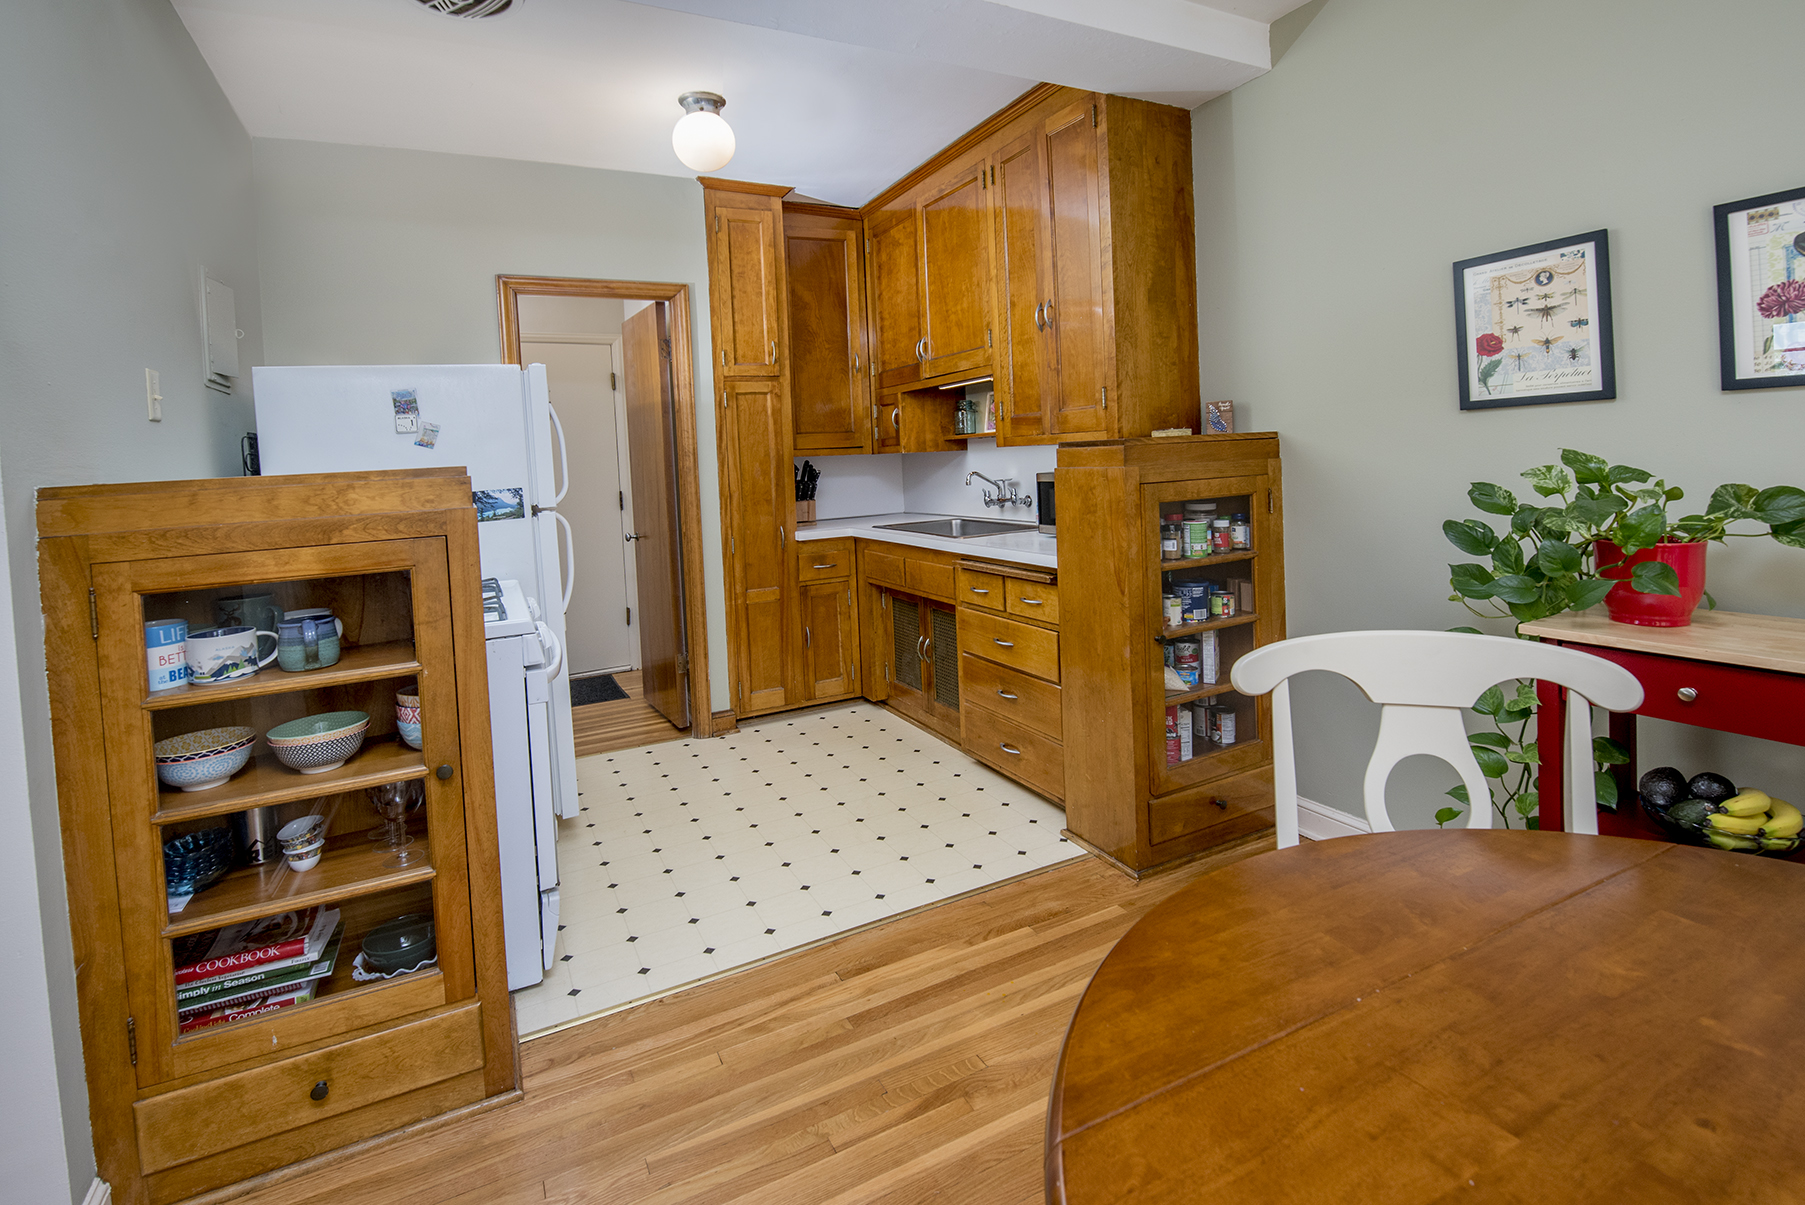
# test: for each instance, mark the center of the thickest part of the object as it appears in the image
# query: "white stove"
(524, 659)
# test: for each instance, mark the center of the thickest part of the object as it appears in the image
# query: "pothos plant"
(1545, 562)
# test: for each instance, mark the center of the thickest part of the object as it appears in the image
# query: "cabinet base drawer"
(978, 589)
(1236, 797)
(204, 1119)
(1028, 757)
(1010, 642)
(823, 560)
(1009, 693)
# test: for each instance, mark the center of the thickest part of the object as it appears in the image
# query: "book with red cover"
(249, 1008)
(297, 936)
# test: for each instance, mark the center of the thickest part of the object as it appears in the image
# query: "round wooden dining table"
(1470, 1015)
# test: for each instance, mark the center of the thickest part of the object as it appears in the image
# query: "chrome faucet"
(1006, 494)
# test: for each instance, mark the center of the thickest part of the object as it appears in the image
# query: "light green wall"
(1396, 136)
(377, 256)
(124, 174)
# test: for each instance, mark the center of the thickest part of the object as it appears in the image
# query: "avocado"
(1691, 815)
(1662, 787)
(1713, 788)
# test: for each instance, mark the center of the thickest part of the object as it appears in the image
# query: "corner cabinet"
(1136, 790)
(182, 1106)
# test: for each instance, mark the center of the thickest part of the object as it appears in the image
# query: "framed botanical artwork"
(1761, 290)
(1533, 324)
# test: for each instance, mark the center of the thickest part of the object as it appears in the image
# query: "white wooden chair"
(1424, 681)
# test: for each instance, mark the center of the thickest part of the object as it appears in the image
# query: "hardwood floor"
(623, 723)
(906, 1063)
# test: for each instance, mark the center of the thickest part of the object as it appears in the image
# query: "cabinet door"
(924, 662)
(887, 436)
(761, 502)
(745, 267)
(829, 378)
(1075, 255)
(1019, 202)
(829, 640)
(893, 284)
(955, 274)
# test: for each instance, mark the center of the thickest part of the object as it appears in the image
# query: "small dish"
(304, 831)
(305, 857)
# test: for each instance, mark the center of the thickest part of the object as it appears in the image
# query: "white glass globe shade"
(703, 140)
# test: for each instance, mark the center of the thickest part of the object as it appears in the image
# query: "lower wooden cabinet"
(923, 654)
(1014, 713)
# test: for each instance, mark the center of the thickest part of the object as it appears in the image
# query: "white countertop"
(1024, 548)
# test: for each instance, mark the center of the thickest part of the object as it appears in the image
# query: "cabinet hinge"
(1270, 509)
(629, 616)
(717, 217)
(683, 663)
(867, 246)
(1106, 397)
(886, 671)
(93, 615)
(1093, 122)
(131, 1038)
(993, 174)
(664, 350)
(723, 365)
(987, 336)
(983, 179)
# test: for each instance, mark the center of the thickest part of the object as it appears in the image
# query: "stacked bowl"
(302, 840)
(316, 743)
(196, 761)
(407, 715)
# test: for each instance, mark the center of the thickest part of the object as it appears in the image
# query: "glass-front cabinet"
(296, 821)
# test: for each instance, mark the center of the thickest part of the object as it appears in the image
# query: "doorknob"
(633, 535)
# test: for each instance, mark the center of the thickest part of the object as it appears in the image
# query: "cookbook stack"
(253, 968)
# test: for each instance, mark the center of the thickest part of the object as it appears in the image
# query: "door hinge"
(613, 381)
(1270, 509)
(623, 500)
(131, 1038)
(1093, 116)
(664, 349)
(629, 616)
(683, 663)
(93, 615)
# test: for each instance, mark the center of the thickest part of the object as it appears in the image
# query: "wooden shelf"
(361, 664)
(351, 867)
(1233, 621)
(1201, 562)
(1202, 692)
(266, 781)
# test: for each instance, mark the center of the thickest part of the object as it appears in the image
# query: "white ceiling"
(837, 98)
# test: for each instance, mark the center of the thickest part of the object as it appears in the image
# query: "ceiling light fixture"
(701, 138)
(469, 8)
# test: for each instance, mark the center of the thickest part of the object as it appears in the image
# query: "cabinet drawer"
(1011, 694)
(1032, 600)
(823, 560)
(1026, 756)
(1239, 797)
(1031, 649)
(932, 579)
(980, 589)
(207, 1118)
(883, 568)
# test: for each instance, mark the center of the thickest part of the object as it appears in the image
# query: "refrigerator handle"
(563, 463)
(570, 557)
(550, 642)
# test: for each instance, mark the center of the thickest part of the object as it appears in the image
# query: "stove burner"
(493, 609)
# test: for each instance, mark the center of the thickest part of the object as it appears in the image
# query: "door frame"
(509, 289)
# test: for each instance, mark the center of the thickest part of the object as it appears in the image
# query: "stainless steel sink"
(958, 529)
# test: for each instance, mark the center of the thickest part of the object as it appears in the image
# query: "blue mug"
(166, 652)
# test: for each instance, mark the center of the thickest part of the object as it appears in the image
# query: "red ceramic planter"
(1653, 610)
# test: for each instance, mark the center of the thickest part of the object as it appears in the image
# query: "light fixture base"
(702, 102)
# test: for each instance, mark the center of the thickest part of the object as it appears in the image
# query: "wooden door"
(1023, 378)
(744, 266)
(762, 497)
(893, 284)
(657, 553)
(829, 640)
(1077, 326)
(829, 379)
(955, 274)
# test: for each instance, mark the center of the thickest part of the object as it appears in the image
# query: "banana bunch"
(1752, 820)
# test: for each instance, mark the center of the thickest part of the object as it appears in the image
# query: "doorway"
(618, 365)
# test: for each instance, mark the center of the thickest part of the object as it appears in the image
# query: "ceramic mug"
(251, 611)
(166, 652)
(224, 655)
(306, 642)
(338, 625)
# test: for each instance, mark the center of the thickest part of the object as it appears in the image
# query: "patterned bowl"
(196, 761)
(316, 743)
(409, 733)
(197, 860)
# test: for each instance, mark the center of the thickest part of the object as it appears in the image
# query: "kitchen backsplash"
(927, 482)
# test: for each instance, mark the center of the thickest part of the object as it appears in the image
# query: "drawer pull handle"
(1007, 695)
(1687, 694)
(975, 590)
(1032, 602)
(319, 1091)
(444, 772)
(829, 565)
(1008, 644)
(1006, 749)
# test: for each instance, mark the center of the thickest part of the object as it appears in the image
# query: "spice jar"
(1240, 533)
(1171, 536)
(1220, 538)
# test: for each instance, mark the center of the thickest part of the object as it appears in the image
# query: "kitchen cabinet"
(747, 295)
(830, 633)
(1009, 643)
(830, 385)
(921, 648)
(1130, 793)
(893, 282)
(758, 504)
(181, 1108)
(955, 273)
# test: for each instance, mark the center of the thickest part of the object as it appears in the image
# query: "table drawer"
(1028, 757)
(823, 560)
(207, 1118)
(1015, 696)
(1009, 642)
(1730, 698)
(1032, 600)
(980, 589)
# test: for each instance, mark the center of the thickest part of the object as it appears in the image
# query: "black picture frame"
(1597, 314)
(1738, 313)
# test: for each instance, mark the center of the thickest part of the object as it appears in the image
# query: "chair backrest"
(1424, 681)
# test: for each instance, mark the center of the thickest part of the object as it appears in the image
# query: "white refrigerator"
(497, 422)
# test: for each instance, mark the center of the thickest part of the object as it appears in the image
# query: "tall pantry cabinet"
(180, 1108)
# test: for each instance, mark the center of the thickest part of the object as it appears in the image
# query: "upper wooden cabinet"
(830, 382)
(893, 281)
(746, 282)
(953, 215)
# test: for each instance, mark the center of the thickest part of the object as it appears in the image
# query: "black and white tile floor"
(694, 857)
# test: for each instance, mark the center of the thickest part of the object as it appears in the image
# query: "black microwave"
(1043, 501)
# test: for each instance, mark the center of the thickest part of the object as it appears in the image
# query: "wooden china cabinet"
(394, 555)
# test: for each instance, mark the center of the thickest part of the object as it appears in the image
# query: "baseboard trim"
(99, 1193)
(1319, 822)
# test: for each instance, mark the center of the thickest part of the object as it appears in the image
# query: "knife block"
(805, 511)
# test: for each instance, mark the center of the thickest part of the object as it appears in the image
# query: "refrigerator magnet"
(407, 411)
(500, 504)
(429, 435)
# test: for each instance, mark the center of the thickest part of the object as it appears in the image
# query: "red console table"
(1731, 672)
